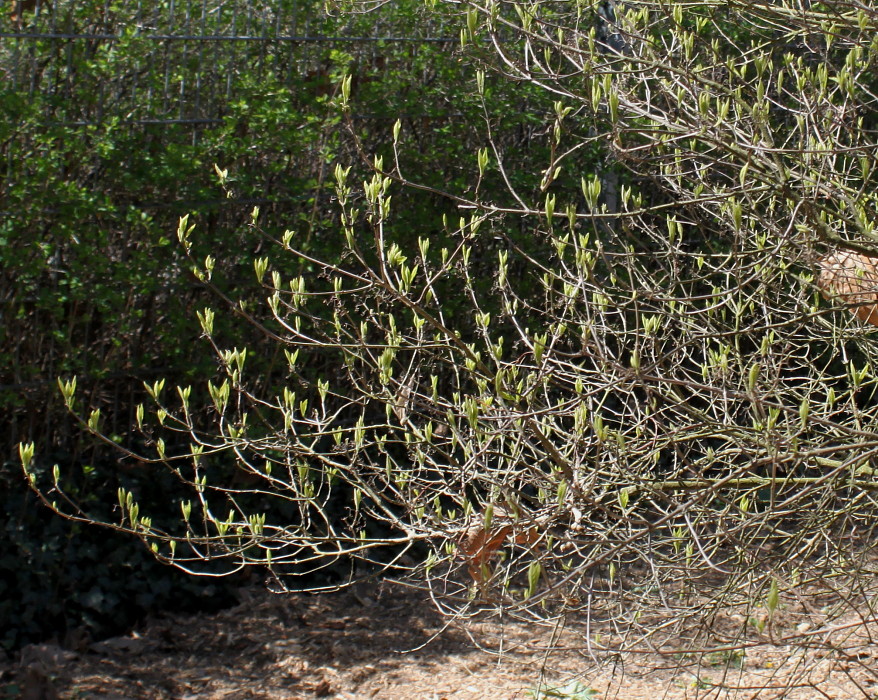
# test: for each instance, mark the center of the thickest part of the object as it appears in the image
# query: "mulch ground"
(389, 641)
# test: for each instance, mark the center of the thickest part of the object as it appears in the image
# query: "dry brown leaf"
(851, 278)
(403, 399)
(478, 544)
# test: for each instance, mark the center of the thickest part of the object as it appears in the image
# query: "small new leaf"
(68, 389)
(534, 571)
(26, 454)
(773, 597)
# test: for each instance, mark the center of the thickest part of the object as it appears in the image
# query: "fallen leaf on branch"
(478, 543)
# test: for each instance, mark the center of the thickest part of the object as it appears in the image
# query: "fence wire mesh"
(179, 63)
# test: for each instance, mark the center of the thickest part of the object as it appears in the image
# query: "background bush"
(109, 135)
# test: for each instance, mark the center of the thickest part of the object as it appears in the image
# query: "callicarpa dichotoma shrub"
(625, 398)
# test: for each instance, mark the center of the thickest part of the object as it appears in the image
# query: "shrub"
(632, 380)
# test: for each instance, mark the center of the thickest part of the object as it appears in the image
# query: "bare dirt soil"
(388, 641)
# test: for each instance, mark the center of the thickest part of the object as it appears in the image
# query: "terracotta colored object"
(851, 278)
(20, 6)
(478, 544)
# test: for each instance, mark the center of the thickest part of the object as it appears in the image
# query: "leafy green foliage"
(107, 141)
(59, 580)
